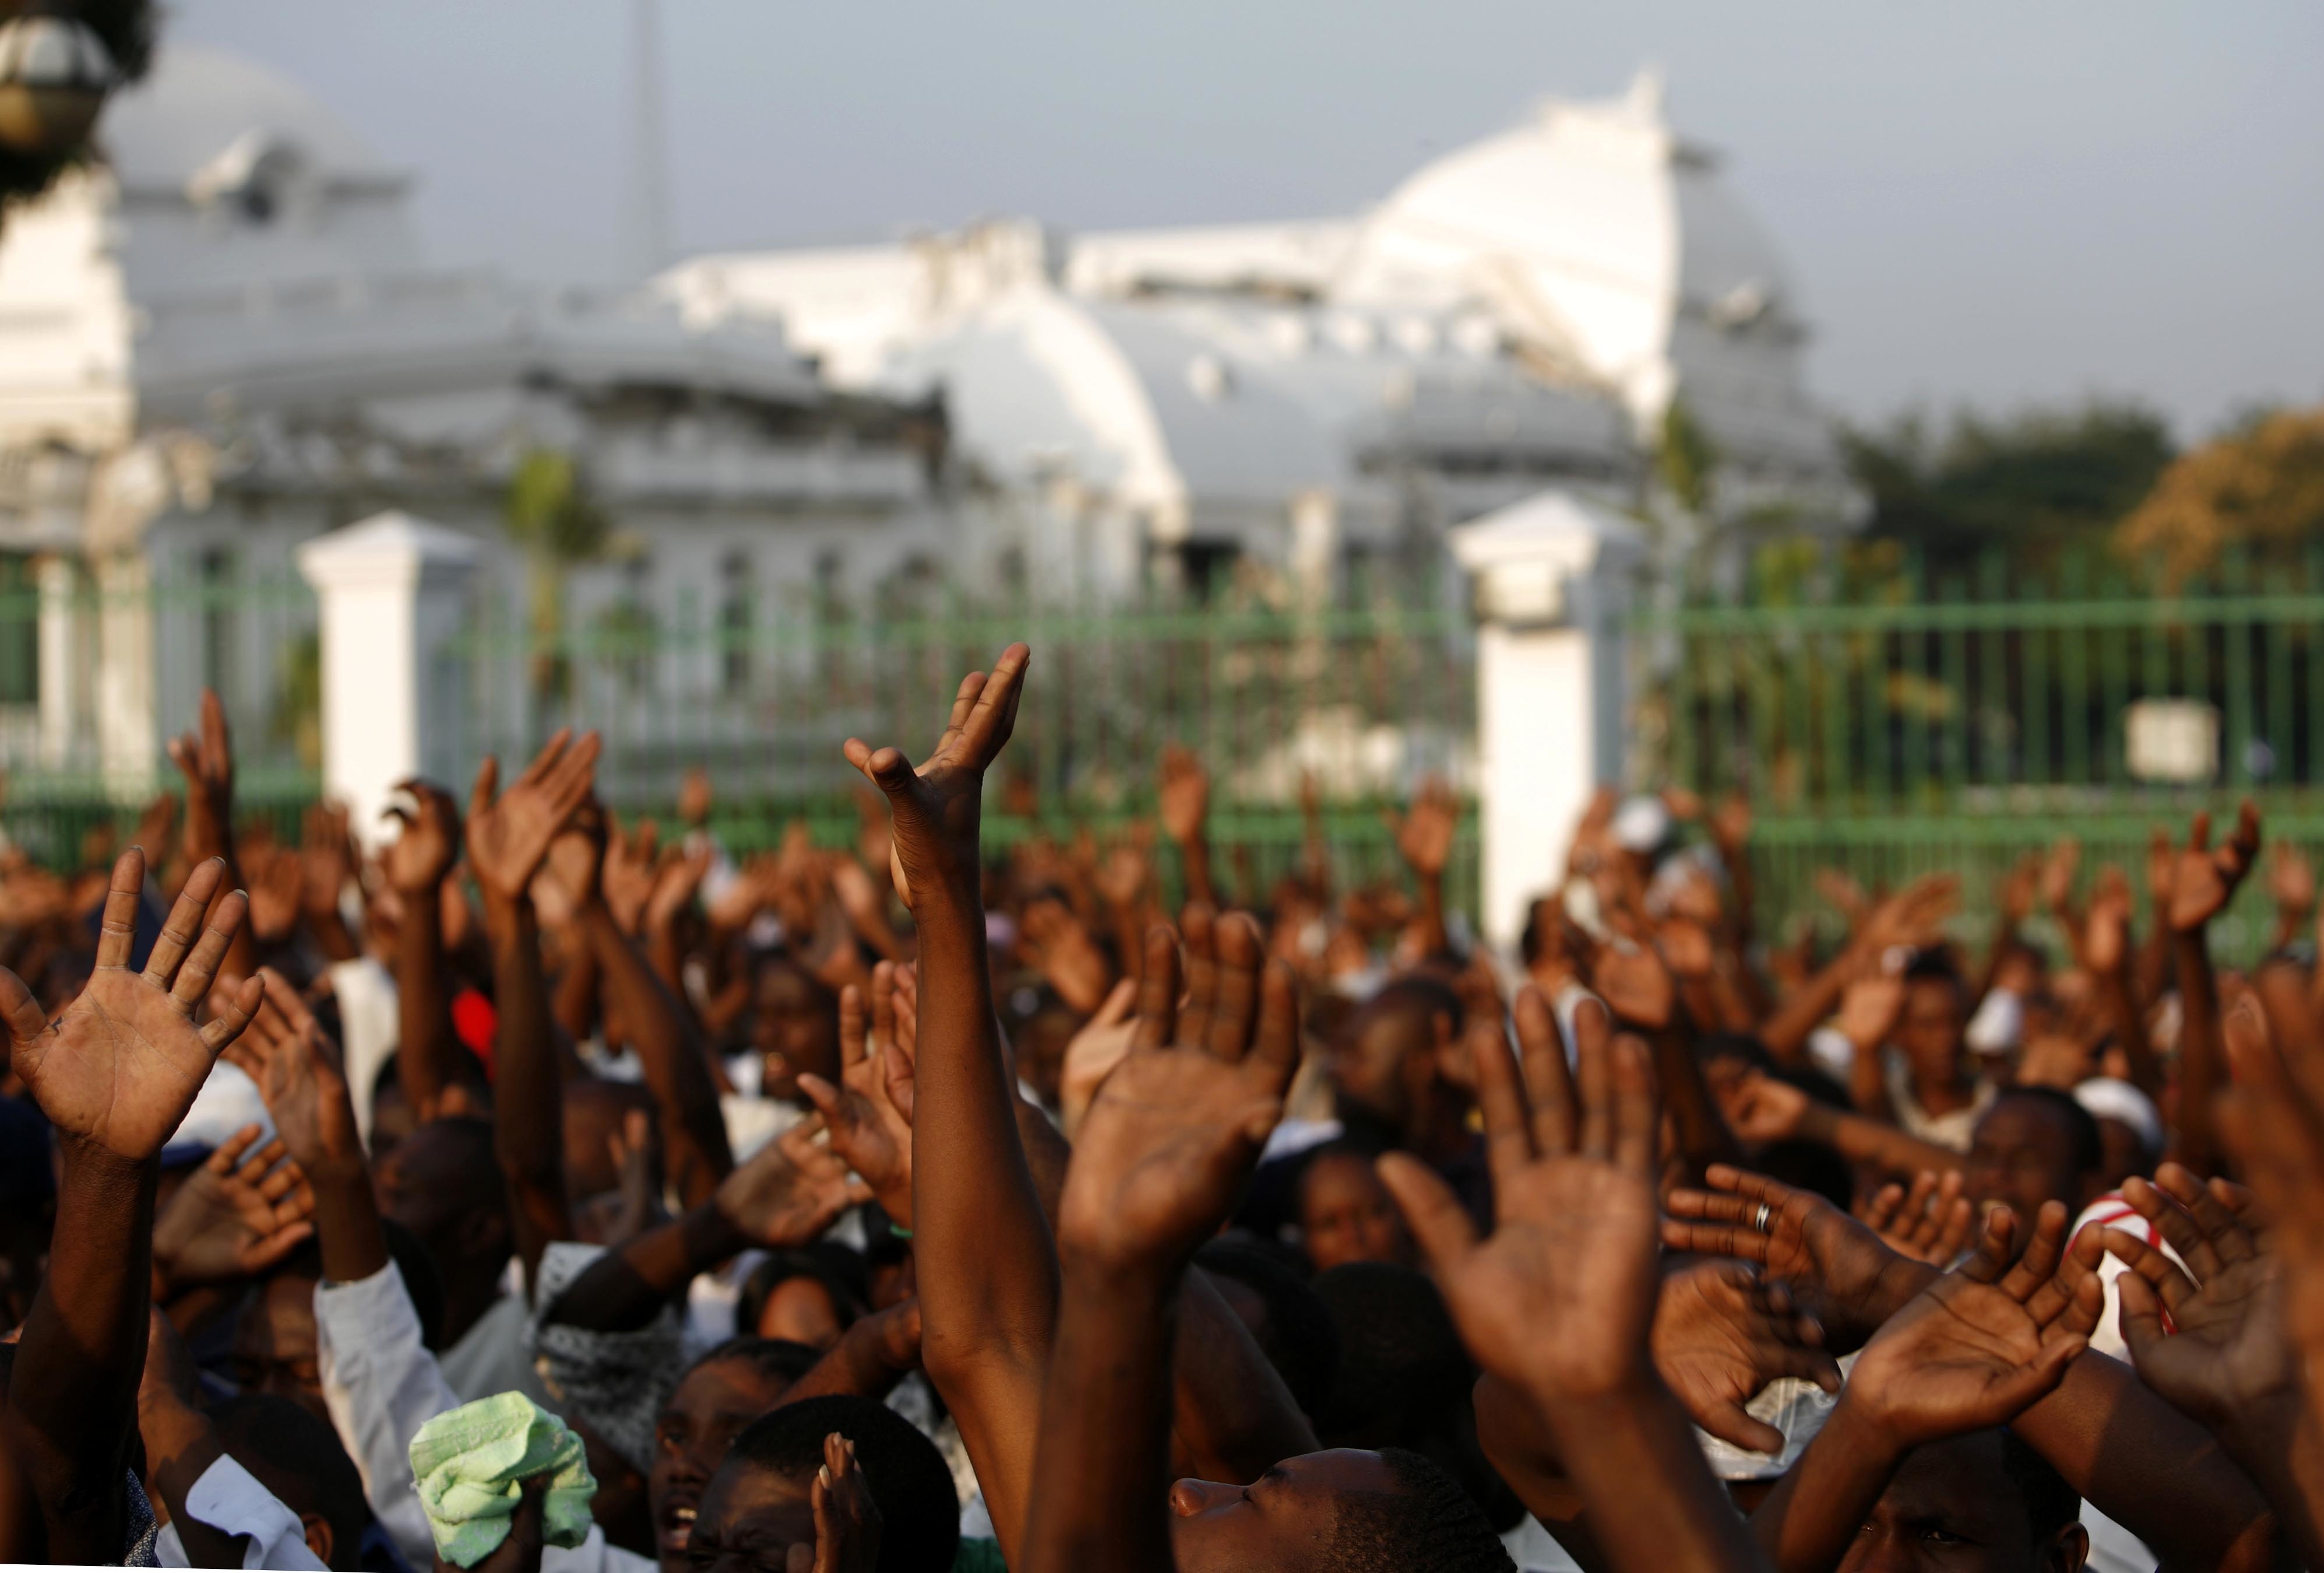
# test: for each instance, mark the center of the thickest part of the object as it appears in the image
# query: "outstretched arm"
(677, 1065)
(417, 865)
(987, 1268)
(114, 1075)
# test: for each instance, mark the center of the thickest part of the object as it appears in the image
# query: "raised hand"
(1869, 1010)
(206, 758)
(1800, 1238)
(1721, 1333)
(509, 833)
(2106, 925)
(420, 858)
(1977, 1346)
(1559, 1299)
(121, 1066)
(2291, 882)
(2228, 1354)
(296, 1066)
(234, 1217)
(2203, 877)
(1173, 1133)
(1761, 1109)
(790, 1190)
(675, 886)
(937, 806)
(632, 867)
(1057, 945)
(867, 1131)
(1423, 831)
(901, 1053)
(1185, 805)
(324, 860)
(1914, 915)
(1930, 1223)
(846, 1518)
(1635, 984)
(575, 863)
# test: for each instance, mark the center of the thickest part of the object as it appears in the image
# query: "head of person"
(758, 1505)
(1387, 1060)
(2033, 1145)
(1344, 1510)
(2130, 1128)
(1983, 1502)
(793, 1025)
(1931, 1026)
(443, 1183)
(298, 1457)
(719, 1395)
(1286, 1318)
(1345, 1214)
(595, 1112)
(807, 1296)
(275, 1349)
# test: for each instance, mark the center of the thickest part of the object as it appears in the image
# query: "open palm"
(867, 1130)
(510, 833)
(121, 1066)
(2229, 1351)
(1560, 1298)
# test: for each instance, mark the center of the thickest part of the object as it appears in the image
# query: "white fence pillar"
(1552, 581)
(390, 589)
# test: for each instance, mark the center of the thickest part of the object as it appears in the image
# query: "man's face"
(751, 1518)
(1369, 1059)
(793, 1027)
(716, 1400)
(1346, 1215)
(2021, 1156)
(1952, 1508)
(425, 1186)
(275, 1349)
(1929, 1030)
(1275, 1522)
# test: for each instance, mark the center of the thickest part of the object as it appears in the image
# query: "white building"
(223, 339)
(1296, 396)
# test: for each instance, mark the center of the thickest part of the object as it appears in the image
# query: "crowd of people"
(533, 1191)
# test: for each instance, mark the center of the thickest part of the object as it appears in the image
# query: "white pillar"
(1553, 576)
(66, 702)
(391, 590)
(128, 716)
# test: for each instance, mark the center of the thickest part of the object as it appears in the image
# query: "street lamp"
(54, 74)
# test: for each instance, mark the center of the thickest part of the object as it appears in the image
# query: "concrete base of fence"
(390, 590)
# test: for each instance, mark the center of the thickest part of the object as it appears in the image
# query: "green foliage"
(2033, 484)
(1685, 458)
(549, 512)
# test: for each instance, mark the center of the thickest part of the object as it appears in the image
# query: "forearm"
(1786, 1031)
(72, 1393)
(1652, 1500)
(2122, 1014)
(348, 1229)
(423, 1000)
(861, 1363)
(676, 1067)
(1867, 1141)
(2142, 1463)
(1808, 1521)
(1233, 1415)
(1194, 864)
(1104, 1468)
(1428, 924)
(528, 1100)
(180, 1444)
(2200, 1052)
(624, 1289)
(2281, 1448)
(575, 1001)
(1703, 1137)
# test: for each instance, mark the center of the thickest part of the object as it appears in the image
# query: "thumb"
(2018, 1391)
(2141, 1317)
(1439, 1223)
(19, 1009)
(1730, 1423)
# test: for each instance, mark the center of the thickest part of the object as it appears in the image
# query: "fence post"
(390, 590)
(1551, 595)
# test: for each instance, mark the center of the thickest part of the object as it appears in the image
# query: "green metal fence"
(1907, 721)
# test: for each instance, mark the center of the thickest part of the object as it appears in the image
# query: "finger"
(883, 1003)
(1808, 1364)
(1548, 1079)
(1158, 991)
(2176, 1224)
(226, 1026)
(264, 1252)
(2223, 1231)
(1501, 1105)
(2199, 832)
(488, 780)
(823, 1096)
(283, 997)
(2017, 1392)
(1234, 993)
(1440, 1225)
(1881, 1209)
(850, 1027)
(2167, 1278)
(1984, 1263)
(1198, 934)
(194, 977)
(1727, 1421)
(2039, 1258)
(993, 716)
(253, 1169)
(2140, 1319)
(119, 929)
(183, 926)
(1274, 1058)
(229, 1152)
(1637, 1113)
(1715, 1239)
(1594, 1075)
(546, 761)
(964, 699)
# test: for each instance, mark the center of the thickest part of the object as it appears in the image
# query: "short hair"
(1428, 1525)
(2090, 1143)
(919, 1505)
(1300, 1339)
(838, 1268)
(1809, 1165)
(1421, 994)
(777, 1359)
(1935, 964)
(2051, 1504)
(1734, 1046)
(299, 1458)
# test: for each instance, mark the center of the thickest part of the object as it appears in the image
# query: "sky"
(1984, 204)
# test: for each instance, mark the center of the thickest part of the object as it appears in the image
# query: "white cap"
(1640, 824)
(2111, 1098)
(1998, 1025)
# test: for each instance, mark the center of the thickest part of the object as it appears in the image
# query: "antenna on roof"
(649, 193)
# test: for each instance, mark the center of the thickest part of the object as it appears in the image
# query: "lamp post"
(54, 74)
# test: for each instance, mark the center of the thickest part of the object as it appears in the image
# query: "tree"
(2261, 487)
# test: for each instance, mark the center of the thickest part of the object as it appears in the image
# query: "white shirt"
(381, 1385)
(229, 1500)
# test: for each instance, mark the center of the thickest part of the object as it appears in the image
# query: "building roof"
(196, 104)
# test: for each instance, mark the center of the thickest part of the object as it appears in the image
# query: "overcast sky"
(1992, 203)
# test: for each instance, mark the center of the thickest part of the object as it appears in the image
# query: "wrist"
(1861, 1430)
(1579, 1411)
(1117, 1275)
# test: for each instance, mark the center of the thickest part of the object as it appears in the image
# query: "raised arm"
(986, 1266)
(417, 865)
(1186, 815)
(206, 757)
(114, 1075)
(286, 1053)
(1424, 839)
(2201, 883)
(509, 837)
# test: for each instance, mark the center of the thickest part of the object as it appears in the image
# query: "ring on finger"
(1760, 1219)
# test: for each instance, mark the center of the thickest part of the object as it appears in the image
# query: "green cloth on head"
(470, 1464)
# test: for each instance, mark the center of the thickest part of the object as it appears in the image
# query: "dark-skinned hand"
(2203, 877)
(1808, 1241)
(937, 808)
(1721, 1333)
(868, 1132)
(234, 1217)
(421, 857)
(790, 1190)
(508, 833)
